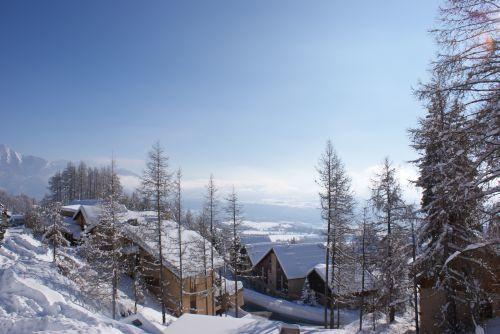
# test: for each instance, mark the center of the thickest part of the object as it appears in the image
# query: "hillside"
(35, 297)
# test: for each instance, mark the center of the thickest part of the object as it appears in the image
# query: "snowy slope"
(34, 296)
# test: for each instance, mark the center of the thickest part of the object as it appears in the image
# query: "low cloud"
(295, 188)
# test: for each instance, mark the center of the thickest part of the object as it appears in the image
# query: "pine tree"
(156, 186)
(389, 209)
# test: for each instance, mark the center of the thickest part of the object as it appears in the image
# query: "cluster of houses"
(274, 268)
(139, 245)
(282, 269)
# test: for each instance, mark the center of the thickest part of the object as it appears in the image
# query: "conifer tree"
(337, 207)
(389, 212)
(54, 234)
(102, 243)
(452, 208)
(308, 296)
(211, 209)
(234, 211)
(156, 186)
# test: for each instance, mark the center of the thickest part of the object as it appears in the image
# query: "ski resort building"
(283, 269)
(139, 244)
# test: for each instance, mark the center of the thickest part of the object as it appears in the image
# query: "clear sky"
(247, 90)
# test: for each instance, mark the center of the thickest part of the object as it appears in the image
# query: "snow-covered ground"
(293, 310)
(35, 297)
(282, 231)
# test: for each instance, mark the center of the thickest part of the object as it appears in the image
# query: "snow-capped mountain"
(26, 174)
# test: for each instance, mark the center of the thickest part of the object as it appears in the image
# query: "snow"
(293, 310)
(140, 227)
(229, 286)
(35, 297)
(320, 269)
(468, 248)
(297, 259)
(247, 239)
(142, 232)
(195, 324)
(140, 321)
(257, 251)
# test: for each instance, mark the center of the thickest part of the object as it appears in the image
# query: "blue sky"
(247, 90)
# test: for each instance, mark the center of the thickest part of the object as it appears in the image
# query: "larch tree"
(177, 208)
(211, 209)
(388, 207)
(102, 242)
(411, 215)
(337, 208)
(468, 61)
(54, 234)
(156, 186)
(234, 212)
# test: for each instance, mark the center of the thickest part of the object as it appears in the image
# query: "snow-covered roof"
(138, 320)
(72, 227)
(354, 284)
(257, 251)
(91, 214)
(247, 239)
(84, 202)
(141, 228)
(297, 259)
(197, 323)
(71, 208)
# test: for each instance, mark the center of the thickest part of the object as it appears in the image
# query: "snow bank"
(35, 297)
(293, 310)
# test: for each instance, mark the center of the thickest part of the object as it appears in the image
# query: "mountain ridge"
(29, 174)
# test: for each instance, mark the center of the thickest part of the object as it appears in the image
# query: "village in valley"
(88, 246)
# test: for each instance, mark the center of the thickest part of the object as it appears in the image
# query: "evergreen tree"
(308, 295)
(452, 208)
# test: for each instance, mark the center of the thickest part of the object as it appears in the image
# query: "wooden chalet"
(433, 300)
(139, 244)
(283, 269)
(317, 275)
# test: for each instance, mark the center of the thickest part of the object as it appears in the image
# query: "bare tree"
(234, 211)
(156, 186)
(55, 231)
(389, 208)
(178, 218)
(337, 207)
(211, 209)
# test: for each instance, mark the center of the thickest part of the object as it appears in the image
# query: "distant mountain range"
(28, 174)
